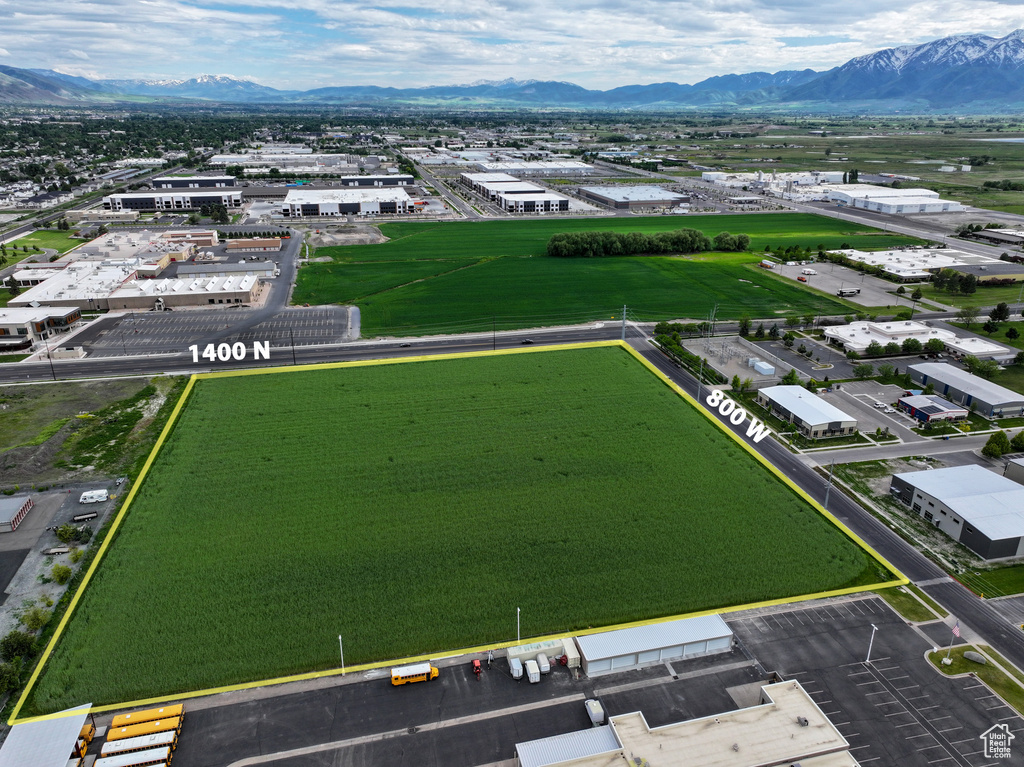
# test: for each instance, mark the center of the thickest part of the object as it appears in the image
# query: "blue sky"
(305, 44)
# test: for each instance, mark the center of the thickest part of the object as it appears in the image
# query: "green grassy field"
(438, 277)
(412, 507)
(62, 242)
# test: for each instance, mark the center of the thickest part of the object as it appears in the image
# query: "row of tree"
(603, 244)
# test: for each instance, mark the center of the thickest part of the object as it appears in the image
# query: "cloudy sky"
(596, 43)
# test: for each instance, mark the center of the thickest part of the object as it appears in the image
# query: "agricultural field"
(412, 506)
(440, 277)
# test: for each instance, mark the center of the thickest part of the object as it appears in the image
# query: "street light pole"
(874, 628)
(828, 487)
(517, 624)
(291, 334)
(341, 647)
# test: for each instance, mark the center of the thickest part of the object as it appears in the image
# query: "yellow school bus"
(418, 672)
(150, 715)
(145, 728)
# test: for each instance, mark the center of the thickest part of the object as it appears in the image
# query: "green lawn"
(980, 297)
(44, 238)
(413, 507)
(436, 277)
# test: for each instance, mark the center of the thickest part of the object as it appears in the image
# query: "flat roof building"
(981, 348)
(858, 336)
(186, 291)
(167, 199)
(192, 182)
(786, 728)
(886, 199)
(916, 265)
(813, 416)
(22, 327)
(639, 646)
(13, 510)
(537, 168)
(973, 392)
(83, 284)
(532, 202)
(629, 197)
(391, 179)
(255, 244)
(982, 510)
(306, 203)
(1000, 270)
(929, 408)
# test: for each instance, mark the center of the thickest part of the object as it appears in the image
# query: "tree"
(901, 291)
(934, 346)
(61, 574)
(759, 333)
(788, 340)
(1001, 312)
(791, 378)
(863, 371)
(967, 315)
(997, 446)
(990, 327)
(874, 349)
(911, 346)
(792, 322)
(745, 326)
(16, 644)
(893, 347)
(773, 332)
(916, 295)
(987, 369)
(35, 618)
(735, 383)
(968, 284)
(1017, 443)
(1012, 333)
(886, 371)
(66, 533)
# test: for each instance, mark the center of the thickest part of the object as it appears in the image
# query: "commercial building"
(786, 727)
(858, 336)
(102, 216)
(394, 179)
(303, 203)
(186, 291)
(916, 265)
(630, 197)
(813, 416)
(12, 510)
(254, 245)
(532, 202)
(84, 284)
(263, 268)
(537, 168)
(640, 646)
(885, 199)
(1000, 271)
(192, 182)
(1015, 470)
(971, 391)
(970, 504)
(1010, 237)
(489, 184)
(21, 327)
(172, 200)
(981, 348)
(930, 408)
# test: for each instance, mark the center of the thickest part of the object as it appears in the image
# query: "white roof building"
(812, 415)
(916, 264)
(981, 348)
(85, 284)
(858, 336)
(537, 168)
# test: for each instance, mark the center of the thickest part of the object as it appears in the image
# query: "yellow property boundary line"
(900, 578)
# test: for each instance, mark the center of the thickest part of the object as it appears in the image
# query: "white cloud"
(4, 52)
(596, 43)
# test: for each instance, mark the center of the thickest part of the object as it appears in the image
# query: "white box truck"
(543, 664)
(93, 496)
(532, 671)
(516, 667)
(808, 271)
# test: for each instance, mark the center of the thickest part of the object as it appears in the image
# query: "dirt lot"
(353, 234)
(49, 434)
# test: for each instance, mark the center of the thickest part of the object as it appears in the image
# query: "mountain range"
(958, 73)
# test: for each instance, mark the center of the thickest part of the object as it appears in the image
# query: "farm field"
(411, 507)
(439, 277)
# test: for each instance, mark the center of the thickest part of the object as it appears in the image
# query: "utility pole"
(623, 322)
(50, 359)
(871, 643)
(292, 334)
(494, 334)
(517, 624)
(341, 647)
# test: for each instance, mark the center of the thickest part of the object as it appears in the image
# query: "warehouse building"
(916, 265)
(632, 197)
(532, 202)
(489, 184)
(885, 199)
(25, 326)
(641, 646)
(254, 245)
(307, 203)
(186, 291)
(971, 391)
(537, 168)
(1015, 470)
(786, 727)
(210, 269)
(395, 179)
(981, 348)
(172, 200)
(858, 336)
(930, 408)
(192, 182)
(13, 510)
(996, 272)
(978, 508)
(813, 416)
(84, 284)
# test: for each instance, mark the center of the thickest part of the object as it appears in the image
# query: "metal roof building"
(930, 407)
(654, 643)
(812, 415)
(969, 390)
(982, 510)
(44, 742)
(13, 510)
(626, 197)
(568, 747)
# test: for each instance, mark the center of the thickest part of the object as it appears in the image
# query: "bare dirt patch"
(351, 234)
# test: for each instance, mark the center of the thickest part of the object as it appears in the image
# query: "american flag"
(956, 630)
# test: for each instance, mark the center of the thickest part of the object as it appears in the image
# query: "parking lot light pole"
(828, 487)
(517, 624)
(871, 643)
(342, 648)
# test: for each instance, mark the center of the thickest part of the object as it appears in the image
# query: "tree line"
(604, 244)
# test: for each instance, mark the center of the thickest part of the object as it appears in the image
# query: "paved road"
(453, 200)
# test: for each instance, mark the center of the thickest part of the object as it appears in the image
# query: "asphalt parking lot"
(831, 278)
(858, 398)
(896, 710)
